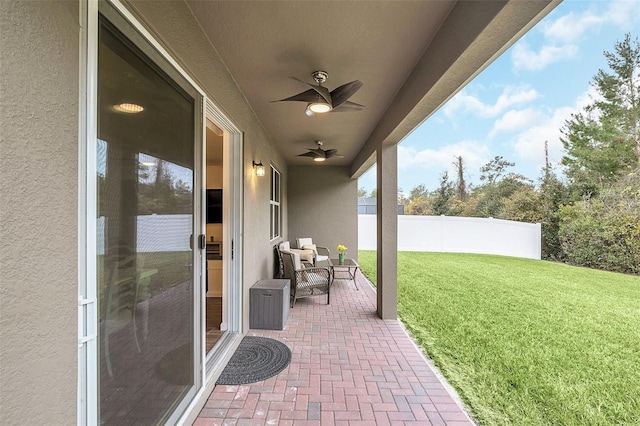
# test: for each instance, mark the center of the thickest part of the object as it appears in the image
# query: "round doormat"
(256, 359)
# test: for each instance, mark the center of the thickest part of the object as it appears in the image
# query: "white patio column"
(387, 224)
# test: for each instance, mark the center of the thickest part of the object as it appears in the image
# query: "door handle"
(203, 241)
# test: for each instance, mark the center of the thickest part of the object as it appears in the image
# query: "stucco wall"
(39, 208)
(323, 205)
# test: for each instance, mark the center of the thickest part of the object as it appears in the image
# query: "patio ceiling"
(411, 56)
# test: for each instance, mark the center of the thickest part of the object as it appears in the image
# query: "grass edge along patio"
(525, 341)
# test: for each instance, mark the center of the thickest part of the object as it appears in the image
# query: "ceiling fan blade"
(348, 106)
(324, 93)
(309, 154)
(333, 153)
(320, 90)
(306, 96)
(314, 153)
(340, 94)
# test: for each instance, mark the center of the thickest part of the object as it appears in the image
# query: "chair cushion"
(284, 246)
(319, 257)
(310, 247)
(303, 242)
(306, 255)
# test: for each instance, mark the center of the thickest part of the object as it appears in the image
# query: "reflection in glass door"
(146, 132)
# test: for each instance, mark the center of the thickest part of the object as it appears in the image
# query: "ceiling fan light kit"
(320, 101)
(319, 107)
(319, 154)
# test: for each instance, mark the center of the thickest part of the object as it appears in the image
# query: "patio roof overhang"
(410, 56)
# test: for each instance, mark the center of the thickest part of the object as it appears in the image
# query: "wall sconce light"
(259, 168)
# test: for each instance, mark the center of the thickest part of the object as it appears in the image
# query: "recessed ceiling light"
(128, 108)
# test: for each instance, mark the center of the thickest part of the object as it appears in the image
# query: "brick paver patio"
(349, 367)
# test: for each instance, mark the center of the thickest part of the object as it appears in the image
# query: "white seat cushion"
(303, 242)
(284, 246)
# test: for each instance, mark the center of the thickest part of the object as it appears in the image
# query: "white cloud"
(569, 28)
(526, 59)
(529, 145)
(474, 154)
(516, 120)
(511, 95)
(563, 34)
(624, 14)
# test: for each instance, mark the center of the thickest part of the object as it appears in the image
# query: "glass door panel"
(145, 260)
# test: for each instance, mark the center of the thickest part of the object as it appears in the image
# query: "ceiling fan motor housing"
(320, 76)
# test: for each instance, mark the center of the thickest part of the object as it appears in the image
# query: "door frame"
(232, 222)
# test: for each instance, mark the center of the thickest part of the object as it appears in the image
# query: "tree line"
(589, 211)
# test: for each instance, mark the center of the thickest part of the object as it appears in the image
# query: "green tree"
(362, 192)
(553, 195)
(491, 197)
(402, 199)
(603, 141)
(491, 172)
(443, 197)
(523, 205)
(461, 185)
(418, 201)
(604, 232)
(418, 192)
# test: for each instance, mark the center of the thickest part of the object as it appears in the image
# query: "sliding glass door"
(149, 120)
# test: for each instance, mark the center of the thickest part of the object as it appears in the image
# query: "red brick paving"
(349, 367)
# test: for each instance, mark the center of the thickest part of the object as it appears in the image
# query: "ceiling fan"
(320, 100)
(319, 154)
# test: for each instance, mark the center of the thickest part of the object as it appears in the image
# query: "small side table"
(349, 267)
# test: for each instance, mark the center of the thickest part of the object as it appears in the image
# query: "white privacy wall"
(458, 235)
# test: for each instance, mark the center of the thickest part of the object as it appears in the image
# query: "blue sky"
(522, 99)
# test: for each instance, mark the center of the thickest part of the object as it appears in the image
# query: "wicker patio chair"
(305, 282)
(284, 246)
(320, 254)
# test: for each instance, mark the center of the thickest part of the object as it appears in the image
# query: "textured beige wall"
(323, 205)
(39, 208)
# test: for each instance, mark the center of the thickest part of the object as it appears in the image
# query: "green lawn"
(525, 341)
